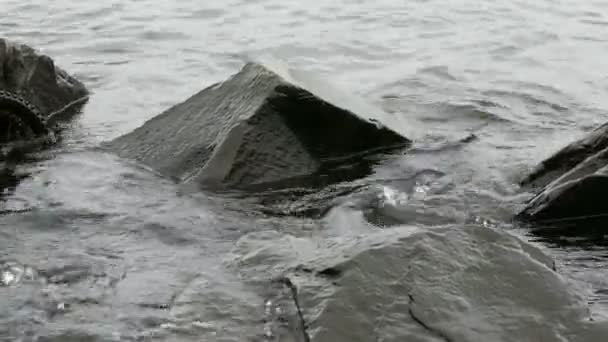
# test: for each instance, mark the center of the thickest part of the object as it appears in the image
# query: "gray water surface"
(95, 248)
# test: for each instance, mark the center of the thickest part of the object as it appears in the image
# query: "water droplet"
(268, 307)
(487, 223)
(7, 278)
(203, 325)
(168, 326)
(420, 190)
(268, 332)
(29, 273)
(392, 197)
(13, 273)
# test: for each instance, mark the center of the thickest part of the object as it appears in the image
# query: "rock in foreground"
(572, 182)
(449, 283)
(260, 126)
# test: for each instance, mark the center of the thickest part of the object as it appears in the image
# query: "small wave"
(162, 35)
(205, 13)
(590, 38)
(527, 98)
(454, 111)
(603, 23)
(440, 71)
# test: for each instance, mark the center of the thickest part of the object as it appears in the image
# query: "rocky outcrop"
(34, 95)
(260, 126)
(571, 183)
(36, 78)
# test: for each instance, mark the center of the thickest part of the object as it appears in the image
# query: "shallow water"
(100, 249)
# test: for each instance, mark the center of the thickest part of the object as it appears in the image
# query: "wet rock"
(452, 283)
(35, 95)
(571, 182)
(35, 77)
(567, 158)
(260, 126)
(576, 200)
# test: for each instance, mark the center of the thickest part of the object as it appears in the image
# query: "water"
(99, 249)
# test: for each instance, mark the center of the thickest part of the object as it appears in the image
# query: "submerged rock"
(260, 126)
(571, 182)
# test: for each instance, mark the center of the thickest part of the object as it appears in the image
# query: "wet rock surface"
(571, 182)
(260, 126)
(431, 282)
(35, 77)
(128, 257)
(35, 96)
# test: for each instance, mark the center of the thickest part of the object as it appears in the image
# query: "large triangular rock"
(259, 126)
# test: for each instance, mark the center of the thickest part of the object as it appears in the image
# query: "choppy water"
(102, 250)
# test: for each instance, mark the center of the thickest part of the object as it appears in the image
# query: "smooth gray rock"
(260, 126)
(572, 182)
(448, 283)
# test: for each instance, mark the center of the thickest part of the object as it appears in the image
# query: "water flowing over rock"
(572, 182)
(260, 126)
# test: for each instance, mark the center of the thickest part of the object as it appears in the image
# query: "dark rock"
(575, 200)
(567, 158)
(36, 78)
(260, 126)
(34, 95)
(572, 183)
